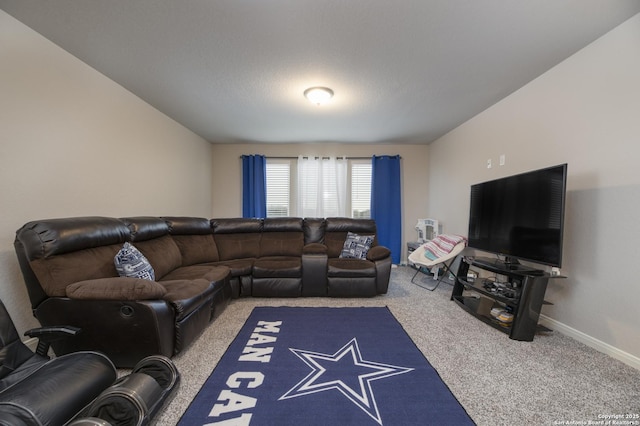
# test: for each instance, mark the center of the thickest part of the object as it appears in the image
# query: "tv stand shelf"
(522, 295)
(478, 287)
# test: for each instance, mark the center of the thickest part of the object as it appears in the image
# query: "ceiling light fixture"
(318, 95)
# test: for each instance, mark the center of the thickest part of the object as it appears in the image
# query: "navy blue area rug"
(324, 366)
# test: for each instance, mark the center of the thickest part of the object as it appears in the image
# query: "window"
(278, 188)
(284, 183)
(360, 189)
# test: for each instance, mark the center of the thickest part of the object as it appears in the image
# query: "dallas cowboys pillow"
(356, 246)
(131, 263)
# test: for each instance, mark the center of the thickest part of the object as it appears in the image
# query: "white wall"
(227, 174)
(586, 112)
(74, 143)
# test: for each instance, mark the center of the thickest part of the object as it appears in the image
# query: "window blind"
(278, 189)
(361, 190)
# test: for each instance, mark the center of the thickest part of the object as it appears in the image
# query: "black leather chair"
(36, 390)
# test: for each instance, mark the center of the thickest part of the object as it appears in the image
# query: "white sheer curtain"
(322, 184)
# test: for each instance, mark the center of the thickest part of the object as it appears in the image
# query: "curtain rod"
(324, 158)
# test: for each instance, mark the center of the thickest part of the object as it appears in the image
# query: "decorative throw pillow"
(131, 263)
(356, 246)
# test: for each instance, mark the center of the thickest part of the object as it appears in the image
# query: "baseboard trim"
(596, 344)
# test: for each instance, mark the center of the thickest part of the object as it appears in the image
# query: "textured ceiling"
(402, 71)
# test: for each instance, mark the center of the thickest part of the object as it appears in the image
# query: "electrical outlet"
(489, 163)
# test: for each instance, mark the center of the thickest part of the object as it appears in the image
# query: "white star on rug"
(351, 375)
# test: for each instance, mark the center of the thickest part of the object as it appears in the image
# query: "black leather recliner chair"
(36, 390)
(79, 388)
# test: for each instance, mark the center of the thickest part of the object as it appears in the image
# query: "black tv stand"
(523, 296)
(508, 264)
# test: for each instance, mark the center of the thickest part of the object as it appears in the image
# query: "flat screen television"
(520, 217)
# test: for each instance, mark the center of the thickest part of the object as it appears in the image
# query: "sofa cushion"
(314, 229)
(356, 246)
(278, 267)
(238, 267)
(118, 288)
(131, 263)
(187, 296)
(335, 243)
(46, 238)
(281, 244)
(238, 246)
(196, 248)
(351, 268)
(142, 228)
(347, 224)
(193, 272)
(163, 254)
(55, 273)
(238, 225)
(184, 225)
(282, 224)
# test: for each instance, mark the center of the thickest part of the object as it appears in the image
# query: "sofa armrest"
(378, 253)
(381, 257)
(116, 288)
(314, 270)
(314, 248)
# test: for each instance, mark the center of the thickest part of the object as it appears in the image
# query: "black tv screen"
(521, 216)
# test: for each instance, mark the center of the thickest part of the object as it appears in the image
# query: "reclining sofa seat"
(191, 289)
(277, 272)
(350, 277)
(199, 252)
(238, 243)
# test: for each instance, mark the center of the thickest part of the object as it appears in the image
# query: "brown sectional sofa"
(199, 265)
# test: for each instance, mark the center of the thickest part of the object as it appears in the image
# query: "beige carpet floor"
(552, 380)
